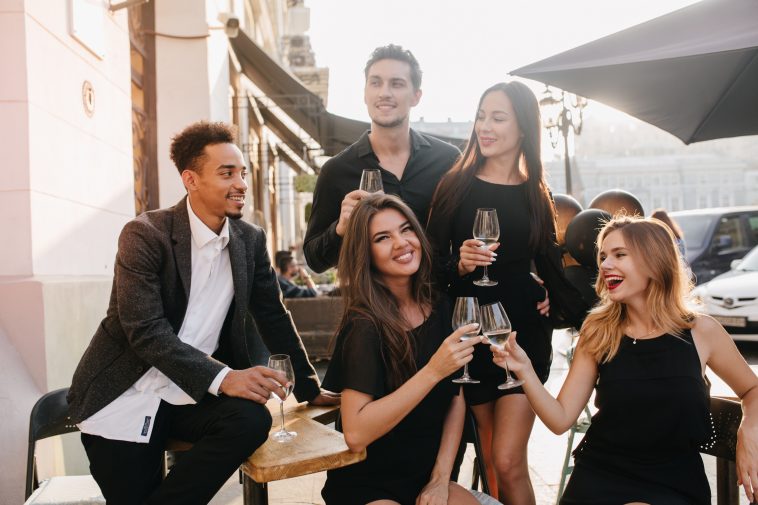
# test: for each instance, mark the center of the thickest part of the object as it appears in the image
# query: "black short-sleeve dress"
(516, 290)
(399, 464)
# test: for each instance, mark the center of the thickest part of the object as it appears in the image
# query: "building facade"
(89, 101)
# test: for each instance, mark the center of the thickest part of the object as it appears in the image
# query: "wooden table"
(315, 449)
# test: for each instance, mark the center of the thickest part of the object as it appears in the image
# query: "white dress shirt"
(130, 416)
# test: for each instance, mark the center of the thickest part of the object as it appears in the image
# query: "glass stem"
(484, 274)
(465, 369)
(281, 411)
(507, 371)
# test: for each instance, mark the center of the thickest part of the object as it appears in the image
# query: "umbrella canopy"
(692, 72)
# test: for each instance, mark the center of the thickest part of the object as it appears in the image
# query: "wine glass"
(487, 230)
(282, 363)
(371, 181)
(466, 311)
(497, 328)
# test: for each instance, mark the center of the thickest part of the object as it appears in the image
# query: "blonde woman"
(644, 352)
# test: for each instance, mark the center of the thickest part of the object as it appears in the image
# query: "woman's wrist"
(430, 375)
(462, 272)
(528, 375)
(440, 475)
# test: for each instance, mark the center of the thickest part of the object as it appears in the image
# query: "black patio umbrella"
(692, 72)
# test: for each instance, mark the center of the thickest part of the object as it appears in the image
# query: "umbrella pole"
(567, 162)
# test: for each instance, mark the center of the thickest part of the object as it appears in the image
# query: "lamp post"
(558, 115)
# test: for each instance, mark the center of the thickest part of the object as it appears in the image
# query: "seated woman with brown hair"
(393, 362)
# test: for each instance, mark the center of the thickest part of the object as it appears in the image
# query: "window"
(752, 224)
(729, 234)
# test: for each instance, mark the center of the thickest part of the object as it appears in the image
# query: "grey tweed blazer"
(148, 301)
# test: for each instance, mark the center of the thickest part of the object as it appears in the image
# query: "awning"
(282, 131)
(692, 72)
(334, 133)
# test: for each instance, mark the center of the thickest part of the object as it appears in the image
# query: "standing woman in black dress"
(393, 359)
(644, 352)
(501, 169)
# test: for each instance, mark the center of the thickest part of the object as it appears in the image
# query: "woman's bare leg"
(458, 495)
(513, 423)
(485, 419)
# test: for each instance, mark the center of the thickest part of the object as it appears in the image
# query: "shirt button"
(140, 369)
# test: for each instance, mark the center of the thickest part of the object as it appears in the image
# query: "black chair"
(49, 417)
(471, 436)
(726, 416)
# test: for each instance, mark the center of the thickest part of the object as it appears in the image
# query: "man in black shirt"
(410, 162)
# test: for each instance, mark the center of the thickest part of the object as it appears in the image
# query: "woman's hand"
(747, 460)
(513, 355)
(543, 307)
(434, 493)
(454, 352)
(474, 255)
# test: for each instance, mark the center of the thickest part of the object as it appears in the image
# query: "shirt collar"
(364, 145)
(201, 234)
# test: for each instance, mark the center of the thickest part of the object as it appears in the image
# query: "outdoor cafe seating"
(318, 448)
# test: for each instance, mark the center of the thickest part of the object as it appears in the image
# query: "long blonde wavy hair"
(651, 246)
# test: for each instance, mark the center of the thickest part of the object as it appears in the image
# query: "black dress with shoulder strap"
(653, 414)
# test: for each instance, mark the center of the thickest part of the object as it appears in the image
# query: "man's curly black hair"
(187, 148)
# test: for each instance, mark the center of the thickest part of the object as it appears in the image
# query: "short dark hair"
(394, 52)
(282, 259)
(187, 147)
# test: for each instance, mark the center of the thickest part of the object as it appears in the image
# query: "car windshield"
(750, 261)
(695, 229)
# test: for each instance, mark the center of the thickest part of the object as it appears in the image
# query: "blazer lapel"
(237, 257)
(182, 236)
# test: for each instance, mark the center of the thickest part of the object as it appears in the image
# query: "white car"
(732, 298)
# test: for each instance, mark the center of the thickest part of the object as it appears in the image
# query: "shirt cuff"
(213, 388)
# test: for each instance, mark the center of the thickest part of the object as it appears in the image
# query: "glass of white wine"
(487, 230)
(282, 363)
(466, 311)
(497, 327)
(371, 181)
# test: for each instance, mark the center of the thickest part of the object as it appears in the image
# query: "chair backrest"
(49, 417)
(726, 416)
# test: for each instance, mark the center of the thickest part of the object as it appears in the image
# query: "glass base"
(283, 436)
(510, 383)
(465, 379)
(485, 282)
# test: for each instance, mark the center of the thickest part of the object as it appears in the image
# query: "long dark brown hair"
(456, 184)
(366, 295)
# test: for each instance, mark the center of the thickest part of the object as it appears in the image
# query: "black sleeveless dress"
(653, 414)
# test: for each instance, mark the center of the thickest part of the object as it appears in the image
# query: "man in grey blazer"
(178, 354)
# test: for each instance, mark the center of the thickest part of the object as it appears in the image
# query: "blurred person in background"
(662, 215)
(289, 270)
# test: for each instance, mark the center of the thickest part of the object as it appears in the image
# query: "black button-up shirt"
(430, 159)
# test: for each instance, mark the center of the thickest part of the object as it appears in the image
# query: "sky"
(463, 46)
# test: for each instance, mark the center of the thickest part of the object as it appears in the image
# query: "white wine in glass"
(282, 363)
(487, 230)
(371, 181)
(466, 311)
(497, 327)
